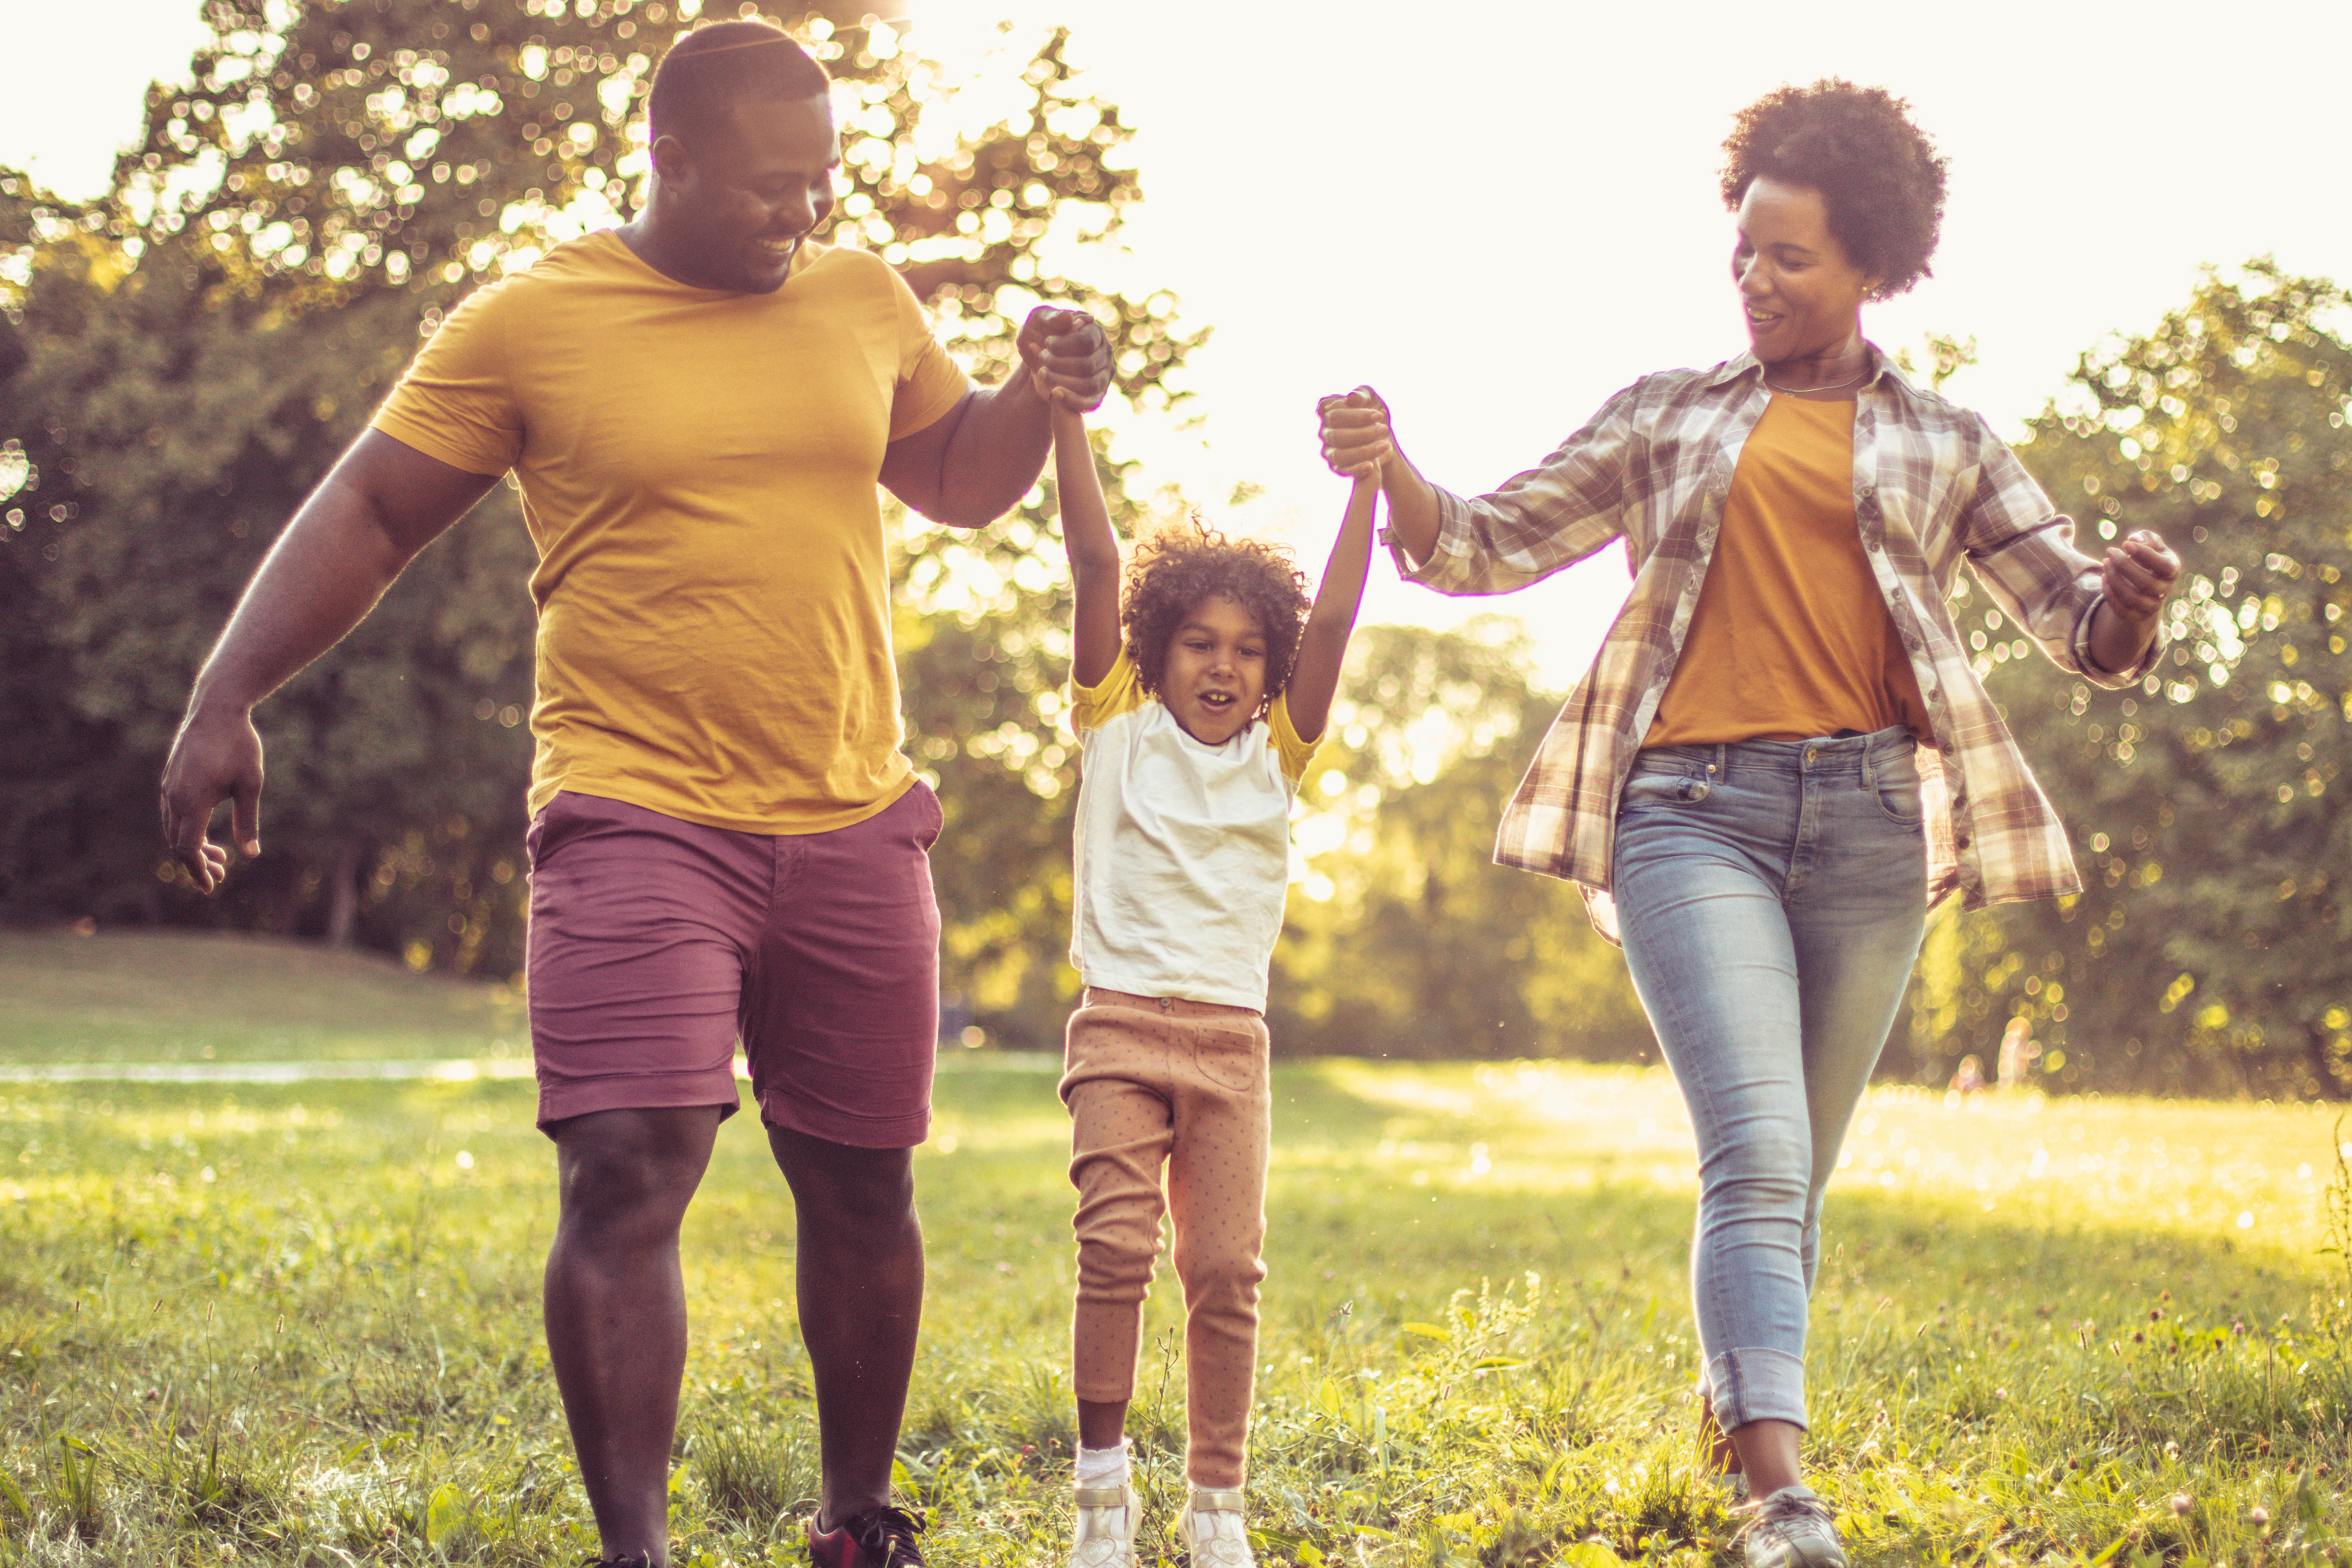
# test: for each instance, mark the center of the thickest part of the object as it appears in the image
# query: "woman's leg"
(1698, 894)
(1857, 909)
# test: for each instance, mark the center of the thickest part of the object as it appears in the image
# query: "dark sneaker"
(878, 1538)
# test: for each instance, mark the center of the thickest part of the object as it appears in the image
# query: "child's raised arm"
(1323, 645)
(1094, 548)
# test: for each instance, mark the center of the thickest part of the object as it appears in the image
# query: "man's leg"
(615, 1307)
(860, 1279)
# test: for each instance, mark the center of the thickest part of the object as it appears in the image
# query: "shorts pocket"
(559, 821)
(1229, 1055)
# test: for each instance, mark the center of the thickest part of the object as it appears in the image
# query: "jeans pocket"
(1895, 786)
(1231, 1056)
(1664, 787)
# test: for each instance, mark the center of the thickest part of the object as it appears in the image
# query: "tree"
(184, 358)
(1406, 939)
(2212, 948)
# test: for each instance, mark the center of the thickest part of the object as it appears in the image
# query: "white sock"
(1103, 1467)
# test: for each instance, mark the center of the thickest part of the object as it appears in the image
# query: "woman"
(1781, 756)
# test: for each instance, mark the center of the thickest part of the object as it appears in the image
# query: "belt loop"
(1869, 767)
(1722, 755)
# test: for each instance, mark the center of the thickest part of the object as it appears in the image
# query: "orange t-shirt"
(698, 470)
(1791, 637)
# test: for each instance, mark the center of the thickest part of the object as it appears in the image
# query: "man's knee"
(837, 1186)
(633, 1165)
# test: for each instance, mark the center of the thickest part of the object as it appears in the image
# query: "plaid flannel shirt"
(1933, 486)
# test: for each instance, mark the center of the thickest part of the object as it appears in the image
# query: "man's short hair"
(711, 69)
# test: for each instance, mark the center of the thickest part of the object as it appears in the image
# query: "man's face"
(751, 190)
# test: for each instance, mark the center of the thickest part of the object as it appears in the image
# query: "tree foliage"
(183, 359)
(2212, 948)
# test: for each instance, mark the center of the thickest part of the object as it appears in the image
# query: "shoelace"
(1780, 1509)
(888, 1535)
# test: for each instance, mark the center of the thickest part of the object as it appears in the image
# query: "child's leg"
(1119, 1132)
(1216, 1193)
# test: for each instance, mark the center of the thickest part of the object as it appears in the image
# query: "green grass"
(173, 996)
(297, 1324)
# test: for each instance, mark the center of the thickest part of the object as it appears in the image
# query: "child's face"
(1215, 674)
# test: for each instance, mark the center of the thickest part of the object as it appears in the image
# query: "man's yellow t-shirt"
(698, 470)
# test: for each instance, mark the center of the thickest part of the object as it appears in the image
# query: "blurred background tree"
(183, 359)
(2211, 951)
(1404, 938)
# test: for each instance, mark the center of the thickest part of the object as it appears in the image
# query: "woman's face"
(1802, 297)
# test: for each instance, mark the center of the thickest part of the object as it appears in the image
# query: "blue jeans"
(1771, 896)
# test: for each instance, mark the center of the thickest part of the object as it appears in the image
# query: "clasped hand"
(1065, 357)
(1355, 436)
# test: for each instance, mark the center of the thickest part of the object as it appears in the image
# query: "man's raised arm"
(383, 502)
(973, 465)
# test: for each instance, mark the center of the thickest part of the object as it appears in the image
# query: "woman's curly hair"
(1176, 568)
(1879, 174)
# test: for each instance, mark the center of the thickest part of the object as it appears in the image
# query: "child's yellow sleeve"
(1292, 752)
(1119, 692)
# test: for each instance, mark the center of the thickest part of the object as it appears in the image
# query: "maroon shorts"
(655, 943)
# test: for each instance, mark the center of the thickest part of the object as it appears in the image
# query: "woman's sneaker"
(1104, 1536)
(1794, 1528)
(1211, 1529)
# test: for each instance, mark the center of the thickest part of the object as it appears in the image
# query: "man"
(726, 837)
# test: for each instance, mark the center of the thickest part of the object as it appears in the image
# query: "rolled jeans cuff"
(1755, 1385)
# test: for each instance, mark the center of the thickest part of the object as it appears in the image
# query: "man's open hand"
(1065, 357)
(217, 756)
(1355, 436)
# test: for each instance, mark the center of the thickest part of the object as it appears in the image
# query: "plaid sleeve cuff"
(2098, 674)
(1443, 571)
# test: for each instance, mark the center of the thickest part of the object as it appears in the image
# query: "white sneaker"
(1794, 1528)
(1211, 1529)
(1105, 1537)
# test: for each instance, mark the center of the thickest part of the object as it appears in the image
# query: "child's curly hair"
(1176, 568)
(1879, 174)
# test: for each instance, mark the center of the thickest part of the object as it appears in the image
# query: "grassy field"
(298, 1323)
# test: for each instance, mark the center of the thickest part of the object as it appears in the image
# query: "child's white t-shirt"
(1183, 848)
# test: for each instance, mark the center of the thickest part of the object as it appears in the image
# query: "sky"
(1497, 215)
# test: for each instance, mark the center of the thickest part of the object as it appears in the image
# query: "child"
(1195, 726)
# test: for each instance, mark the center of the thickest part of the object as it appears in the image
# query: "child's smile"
(1215, 680)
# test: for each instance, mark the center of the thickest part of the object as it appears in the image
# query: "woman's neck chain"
(1824, 386)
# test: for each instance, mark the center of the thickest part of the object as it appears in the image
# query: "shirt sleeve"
(456, 404)
(1119, 692)
(2022, 550)
(1550, 517)
(1289, 750)
(930, 383)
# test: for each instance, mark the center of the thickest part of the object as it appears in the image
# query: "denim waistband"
(1822, 754)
